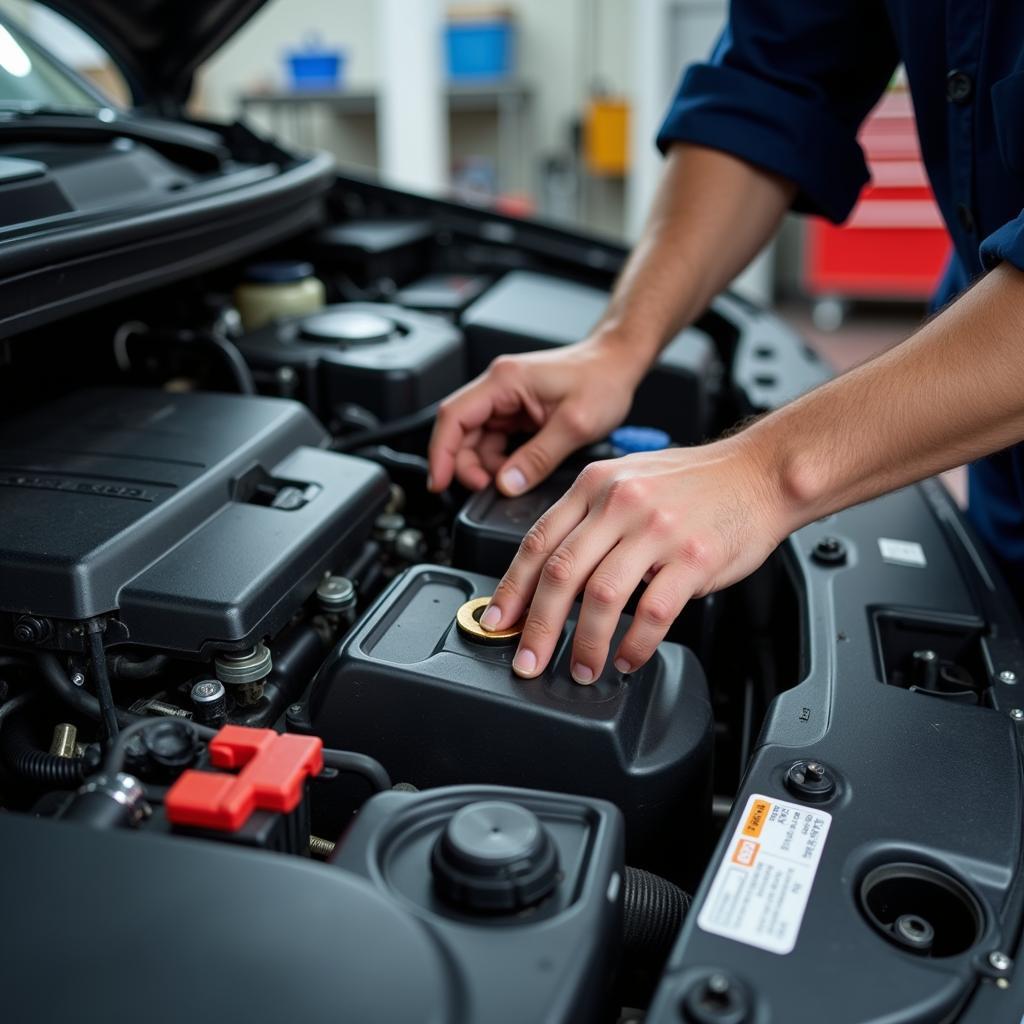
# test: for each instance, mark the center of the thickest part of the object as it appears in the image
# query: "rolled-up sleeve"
(1006, 243)
(786, 89)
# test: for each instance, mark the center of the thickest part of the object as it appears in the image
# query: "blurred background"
(548, 109)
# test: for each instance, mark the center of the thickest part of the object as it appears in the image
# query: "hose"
(359, 764)
(386, 431)
(653, 911)
(74, 696)
(39, 766)
(127, 668)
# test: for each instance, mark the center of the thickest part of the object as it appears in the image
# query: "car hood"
(158, 44)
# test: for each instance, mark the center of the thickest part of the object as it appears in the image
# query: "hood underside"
(158, 44)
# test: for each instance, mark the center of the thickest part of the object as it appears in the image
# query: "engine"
(248, 714)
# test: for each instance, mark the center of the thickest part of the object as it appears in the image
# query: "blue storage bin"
(480, 49)
(315, 67)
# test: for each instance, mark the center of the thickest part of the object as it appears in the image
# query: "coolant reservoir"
(280, 288)
(439, 704)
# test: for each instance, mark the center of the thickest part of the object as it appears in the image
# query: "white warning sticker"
(761, 888)
(902, 552)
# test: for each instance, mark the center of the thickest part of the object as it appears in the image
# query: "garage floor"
(867, 331)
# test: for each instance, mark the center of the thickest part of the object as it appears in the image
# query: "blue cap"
(278, 272)
(630, 440)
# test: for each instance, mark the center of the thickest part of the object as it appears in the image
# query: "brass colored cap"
(467, 618)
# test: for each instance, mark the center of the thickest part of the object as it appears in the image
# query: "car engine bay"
(254, 751)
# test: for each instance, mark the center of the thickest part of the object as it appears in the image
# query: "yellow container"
(272, 290)
(606, 137)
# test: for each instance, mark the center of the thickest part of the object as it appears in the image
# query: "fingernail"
(513, 481)
(582, 674)
(623, 666)
(491, 616)
(525, 662)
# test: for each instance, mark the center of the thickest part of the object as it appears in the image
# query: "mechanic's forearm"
(951, 393)
(712, 214)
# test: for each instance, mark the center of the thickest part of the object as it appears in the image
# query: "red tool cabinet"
(894, 245)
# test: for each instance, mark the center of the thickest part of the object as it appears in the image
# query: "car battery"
(526, 311)
(438, 705)
(387, 360)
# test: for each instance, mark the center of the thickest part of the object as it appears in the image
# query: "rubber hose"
(40, 766)
(127, 668)
(76, 697)
(386, 431)
(653, 912)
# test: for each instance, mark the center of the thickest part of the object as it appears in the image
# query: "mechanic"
(768, 124)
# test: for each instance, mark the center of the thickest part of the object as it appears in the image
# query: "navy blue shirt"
(790, 82)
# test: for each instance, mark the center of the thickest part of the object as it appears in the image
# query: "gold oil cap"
(467, 618)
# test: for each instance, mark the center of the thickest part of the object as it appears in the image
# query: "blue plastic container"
(315, 68)
(480, 50)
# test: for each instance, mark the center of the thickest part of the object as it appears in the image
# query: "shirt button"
(966, 218)
(958, 86)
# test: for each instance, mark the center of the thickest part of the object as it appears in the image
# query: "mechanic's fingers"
(469, 469)
(530, 463)
(512, 595)
(492, 449)
(606, 593)
(561, 578)
(663, 600)
(460, 414)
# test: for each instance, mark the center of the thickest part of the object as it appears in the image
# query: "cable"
(234, 361)
(359, 764)
(386, 431)
(98, 656)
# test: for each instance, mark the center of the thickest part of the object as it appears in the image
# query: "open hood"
(158, 44)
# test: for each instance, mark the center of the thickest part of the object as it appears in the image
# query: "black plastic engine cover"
(553, 961)
(438, 708)
(526, 311)
(235, 934)
(490, 526)
(413, 360)
(195, 518)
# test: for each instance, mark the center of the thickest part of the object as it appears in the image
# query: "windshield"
(30, 78)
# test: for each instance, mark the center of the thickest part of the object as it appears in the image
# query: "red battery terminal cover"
(273, 771)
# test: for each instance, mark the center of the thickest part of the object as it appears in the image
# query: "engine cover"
(194, 518)
(437, 707)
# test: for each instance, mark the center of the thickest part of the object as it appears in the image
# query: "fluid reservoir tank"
(440, 706)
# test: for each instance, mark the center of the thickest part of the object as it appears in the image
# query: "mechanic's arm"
(712, 214)
(692, 521)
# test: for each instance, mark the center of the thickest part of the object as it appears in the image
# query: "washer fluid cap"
(494, 856)
(348, 327)
(278, 272)
(630, 440)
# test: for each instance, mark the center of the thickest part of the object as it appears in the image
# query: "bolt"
(815, 771)
(295, 710)
(1008, 677)
(1017, 715)
(999, 960)
(78, 679)
(829, 551)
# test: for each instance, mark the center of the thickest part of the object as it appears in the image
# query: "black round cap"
(347, 327)
(170, 744)
(494, 856)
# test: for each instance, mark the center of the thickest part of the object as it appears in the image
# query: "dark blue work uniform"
(790, 82)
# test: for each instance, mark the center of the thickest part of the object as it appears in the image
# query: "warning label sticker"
(761, 888)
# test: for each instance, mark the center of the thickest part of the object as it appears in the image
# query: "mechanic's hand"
(570, 396)
(687, 521)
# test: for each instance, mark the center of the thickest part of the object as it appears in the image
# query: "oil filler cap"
(494, 856)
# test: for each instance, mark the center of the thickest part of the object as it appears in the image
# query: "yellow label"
(745, 853)
(756, 818)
